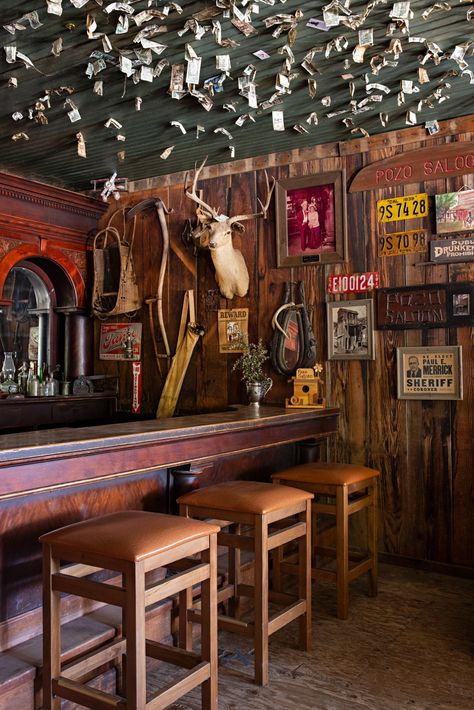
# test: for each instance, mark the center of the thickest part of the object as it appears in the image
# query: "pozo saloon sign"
(418, 165)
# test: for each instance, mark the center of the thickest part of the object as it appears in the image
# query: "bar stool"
(133, 543)
(353, 488)
(275, 517)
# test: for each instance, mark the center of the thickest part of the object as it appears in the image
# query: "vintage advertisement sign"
(417, 166)
(406, 207)
(429, 372)
(116, 339)
(455, 212)
(353, 283)
(231, 324)
(449, 251)
(433, 306)
(397, 243)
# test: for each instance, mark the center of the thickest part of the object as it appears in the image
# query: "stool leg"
(51, 631)
(261, 601)
(304, 580)
(135, 635)
(209, 625)
(185, 626)
(234, 562)
(342, 551)
(372, 533)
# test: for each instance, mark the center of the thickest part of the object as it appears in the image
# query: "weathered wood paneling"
(423, 448)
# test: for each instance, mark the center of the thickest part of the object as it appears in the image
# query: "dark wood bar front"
(52, 478)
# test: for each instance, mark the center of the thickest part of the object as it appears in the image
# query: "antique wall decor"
(311, 219)
(450, 251)
(429, 372)
(416, 166)
(431, 306)
(408, 242)
(214, 232)
(394, 209)
(293, 342)
(232, 324)
(351, 330)
(307, 389)
(117, 338)
(353, 283)
(455, 212)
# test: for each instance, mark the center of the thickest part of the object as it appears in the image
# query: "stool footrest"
(175, 690)
(361, 568)
(172, 585)
(93, 659)
(277, 539)
(106, 593)
(280, 619)
(172, 654)
(78, 693)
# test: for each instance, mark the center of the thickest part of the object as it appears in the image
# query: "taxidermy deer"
(214, 232)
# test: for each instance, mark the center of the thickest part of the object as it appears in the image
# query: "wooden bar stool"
(353, 488)
(133, 543)
(260, 518)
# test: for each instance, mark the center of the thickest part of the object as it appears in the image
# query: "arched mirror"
(27, 322)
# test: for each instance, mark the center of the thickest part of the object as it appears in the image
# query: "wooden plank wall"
(424, 449)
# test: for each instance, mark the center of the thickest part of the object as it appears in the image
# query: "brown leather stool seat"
(257, 517)
(351, 488)
(132, 543)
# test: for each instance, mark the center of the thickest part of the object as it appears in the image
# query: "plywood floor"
(411, 647)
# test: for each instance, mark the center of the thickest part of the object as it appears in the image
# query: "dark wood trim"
(427, 565)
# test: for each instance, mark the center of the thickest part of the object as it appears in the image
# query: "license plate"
(353, 283)
(403, 242)
(407, 207)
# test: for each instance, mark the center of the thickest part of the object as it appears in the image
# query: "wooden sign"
(406, 207)
(113, 339)
(397, 243)
(232, 324)
(450, 251)
(416, 166)
(353, 283)
(433, 306)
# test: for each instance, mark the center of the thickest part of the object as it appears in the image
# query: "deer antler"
(210, 211)
(264, 210)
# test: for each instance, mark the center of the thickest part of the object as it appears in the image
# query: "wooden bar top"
(42, 460)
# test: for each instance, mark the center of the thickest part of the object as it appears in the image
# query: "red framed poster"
(114, 339)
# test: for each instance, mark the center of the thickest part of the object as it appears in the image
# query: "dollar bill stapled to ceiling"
(115, 289)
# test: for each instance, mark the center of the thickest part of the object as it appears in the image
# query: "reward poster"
(232, 324)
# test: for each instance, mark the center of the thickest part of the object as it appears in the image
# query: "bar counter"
(51, 478)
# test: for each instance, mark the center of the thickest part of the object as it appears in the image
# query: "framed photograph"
(455, 211)
(429, 372)
(311, 219)
(351, 330)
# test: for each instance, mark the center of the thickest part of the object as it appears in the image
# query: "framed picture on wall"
(311, 219)
(351, 330)
(429, 372)
(455, 212)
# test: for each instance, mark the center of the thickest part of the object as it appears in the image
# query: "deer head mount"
(214, 232)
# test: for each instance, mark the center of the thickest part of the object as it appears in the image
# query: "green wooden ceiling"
(50, 152)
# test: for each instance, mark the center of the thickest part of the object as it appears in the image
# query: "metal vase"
(256, 391)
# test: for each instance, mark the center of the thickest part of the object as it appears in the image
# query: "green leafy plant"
(250, 362)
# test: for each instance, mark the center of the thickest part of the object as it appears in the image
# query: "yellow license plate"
(407, 207)
(403, 242)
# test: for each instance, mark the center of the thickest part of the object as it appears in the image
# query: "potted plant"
(250, 364)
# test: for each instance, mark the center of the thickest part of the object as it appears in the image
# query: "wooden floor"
(411, 647)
